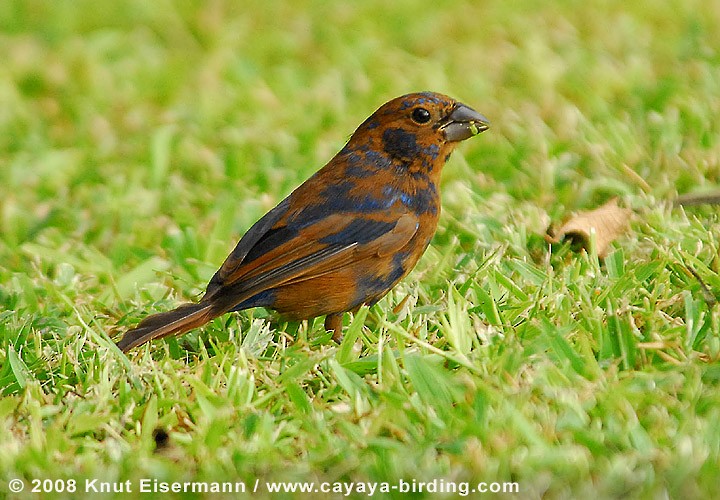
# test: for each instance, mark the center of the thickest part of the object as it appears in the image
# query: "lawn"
(140, 140)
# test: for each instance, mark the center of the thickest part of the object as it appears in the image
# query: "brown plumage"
(349, 233)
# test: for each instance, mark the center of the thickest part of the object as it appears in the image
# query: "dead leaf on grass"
(607, 222)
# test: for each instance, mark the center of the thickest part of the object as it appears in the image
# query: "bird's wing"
(327, 245)
(250, 239)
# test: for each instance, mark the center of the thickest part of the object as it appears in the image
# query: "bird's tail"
(180, 320)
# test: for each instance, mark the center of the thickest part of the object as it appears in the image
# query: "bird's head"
(423, 127)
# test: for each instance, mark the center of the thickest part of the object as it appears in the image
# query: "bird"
(345, 236)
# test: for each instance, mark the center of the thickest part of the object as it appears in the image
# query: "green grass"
(139, 140)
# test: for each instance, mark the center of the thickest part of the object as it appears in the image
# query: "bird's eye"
(421, 115)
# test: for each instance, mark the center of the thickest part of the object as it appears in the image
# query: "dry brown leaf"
(608, 222)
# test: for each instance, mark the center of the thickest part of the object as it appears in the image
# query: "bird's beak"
(463, 123)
